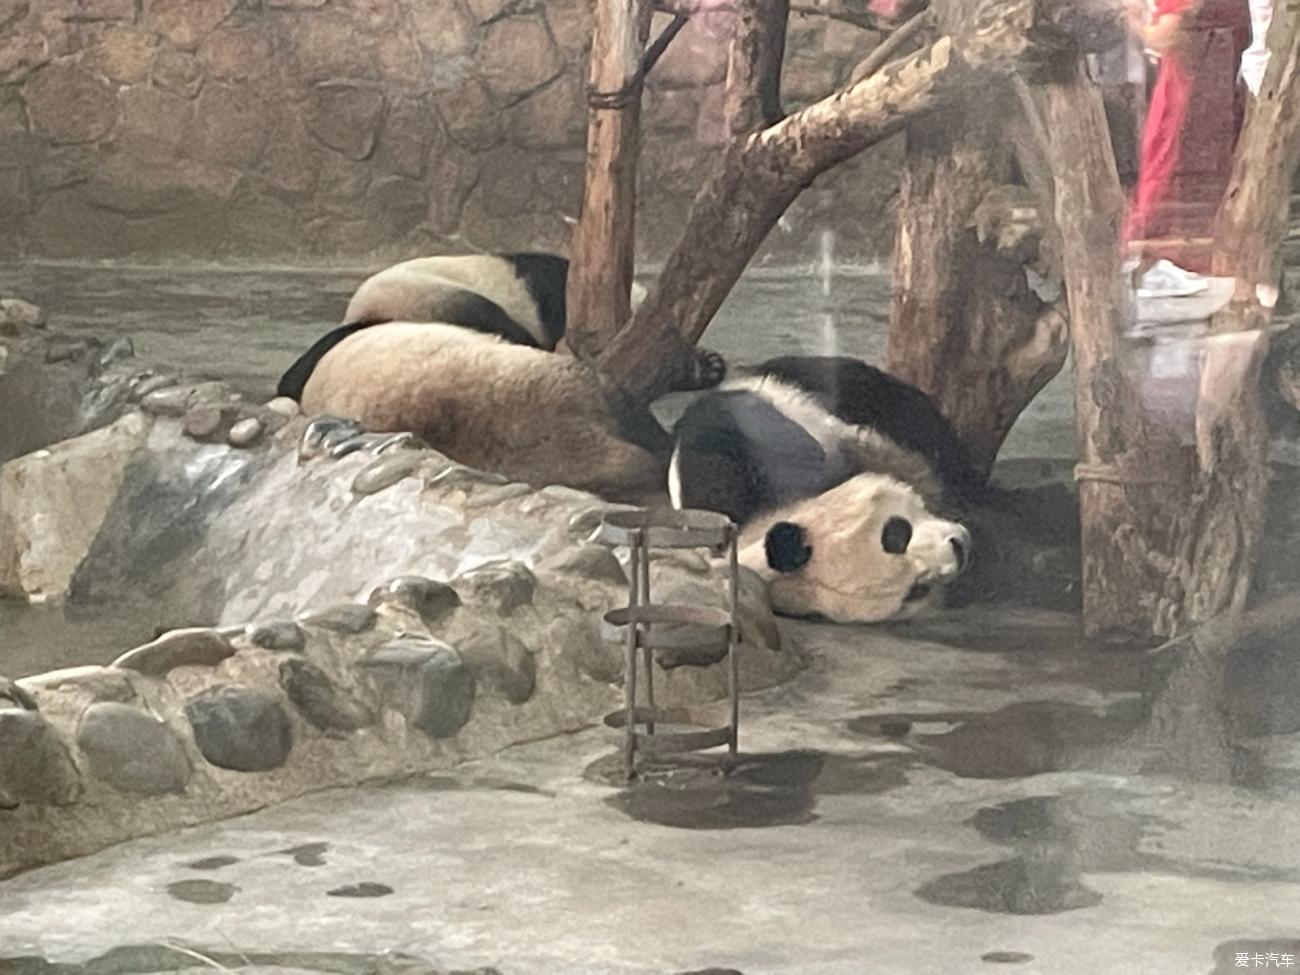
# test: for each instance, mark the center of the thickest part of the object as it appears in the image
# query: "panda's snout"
(941, 551)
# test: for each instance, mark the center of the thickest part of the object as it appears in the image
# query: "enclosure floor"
(1014, 840)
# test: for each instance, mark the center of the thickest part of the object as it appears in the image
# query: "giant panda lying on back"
(838, 474)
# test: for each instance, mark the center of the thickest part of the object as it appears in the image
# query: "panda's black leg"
(708, 370)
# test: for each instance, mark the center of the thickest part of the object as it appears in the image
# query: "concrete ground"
(1007, 830)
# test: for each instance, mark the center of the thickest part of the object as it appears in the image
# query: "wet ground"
(908, 805)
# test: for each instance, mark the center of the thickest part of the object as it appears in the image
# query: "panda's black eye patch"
(896, 535)
(786, 547)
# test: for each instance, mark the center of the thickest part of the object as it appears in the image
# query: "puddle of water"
(307, 855)
(213, 863)
(1056, 841)
(779, 789)
(201, 891)
(365, 888)
(1022, 739)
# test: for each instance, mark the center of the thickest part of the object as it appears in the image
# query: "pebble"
(428, 681)
(385, 472)
(15, 311)
(120, 348)
(101, 683)
(342, 618)
(460, 474)
(497, 495)
(279, 635)
(240, 728)
(35, 768)
(210, 422)
(246, 432)
(194, 647)
(322, 433)
(146, 383)
(589, 561)
(507, 585)
(176, 400)
(428, 599)
(315, 696)
(65, 350)
(132, 750)
(502, 662)
(284, 405)
(446, 695)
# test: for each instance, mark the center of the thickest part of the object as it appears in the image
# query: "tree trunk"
(965, 327)
(1132, 473)
(758, 177)
(602, 255)
(1253, 218)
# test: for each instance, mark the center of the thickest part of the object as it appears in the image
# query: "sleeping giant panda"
(519, 297)
(492, 404)
(837, 474)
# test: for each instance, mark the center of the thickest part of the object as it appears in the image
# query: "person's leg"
(1161, 145)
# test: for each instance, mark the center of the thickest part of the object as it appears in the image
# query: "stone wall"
(362, 127)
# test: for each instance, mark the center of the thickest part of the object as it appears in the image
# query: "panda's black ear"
(786, 547)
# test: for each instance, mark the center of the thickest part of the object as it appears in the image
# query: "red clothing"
(1178, 171)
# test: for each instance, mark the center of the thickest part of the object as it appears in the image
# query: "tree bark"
(965, 327)
(1132, 473)
(602, 255)
(1253, 218)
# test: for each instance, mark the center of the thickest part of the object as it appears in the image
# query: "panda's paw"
(710, 369)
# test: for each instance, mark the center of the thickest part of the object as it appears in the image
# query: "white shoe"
(1165, 279)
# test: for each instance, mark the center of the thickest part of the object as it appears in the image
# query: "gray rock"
(385, 472)
(279, 635)
(176, 400)
(460, 475)
(497, 495)
(120, 348)
(404, 653)
(146, 383)
(427, 681)
(501, 662)
(428, 599)
(61, 349)
(342, 618)
(193, 647)
(286, 407)
(246, 432)
(240, 728)
(446, 698)
(590, 561)
(35, 768)
(211, 422)
(506, 585)
(131, 750)
(15, 311)
(316, 697)
(98, 683)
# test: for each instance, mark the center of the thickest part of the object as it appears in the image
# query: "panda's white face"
(863, 552)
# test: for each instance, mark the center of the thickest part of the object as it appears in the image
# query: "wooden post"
(1132, 473)
(602, 255)
(965, 326)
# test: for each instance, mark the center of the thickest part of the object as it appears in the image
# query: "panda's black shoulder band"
(294, 380)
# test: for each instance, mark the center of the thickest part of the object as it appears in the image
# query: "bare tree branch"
(893, 45)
